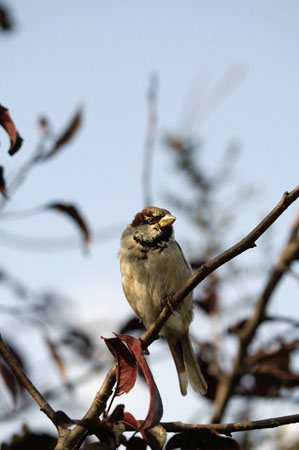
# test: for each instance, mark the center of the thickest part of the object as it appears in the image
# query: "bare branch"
(227, 428)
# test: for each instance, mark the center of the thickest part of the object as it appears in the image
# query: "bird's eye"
(151, 220)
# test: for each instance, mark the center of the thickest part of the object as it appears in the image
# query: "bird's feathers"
(153, 267)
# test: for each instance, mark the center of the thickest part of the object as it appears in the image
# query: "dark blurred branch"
(150, 141)
(77, 435)
(227, 383)
(264, 355)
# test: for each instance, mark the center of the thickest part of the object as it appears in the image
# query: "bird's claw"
(167, 301)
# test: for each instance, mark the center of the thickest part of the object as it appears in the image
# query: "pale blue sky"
(102, 53)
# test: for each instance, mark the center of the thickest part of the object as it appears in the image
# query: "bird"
(153, 267)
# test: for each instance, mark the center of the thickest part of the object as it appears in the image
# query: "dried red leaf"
(9, 126)
(72, 212)
(130, 420)
(2, 183)
(155, 411)
(126, 365)
(60, 364)
(67, 135)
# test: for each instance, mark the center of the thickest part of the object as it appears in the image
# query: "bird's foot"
(168, 301)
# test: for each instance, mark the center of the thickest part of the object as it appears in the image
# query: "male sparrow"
(153, 267)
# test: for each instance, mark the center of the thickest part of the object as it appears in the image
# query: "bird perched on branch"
(153, 268)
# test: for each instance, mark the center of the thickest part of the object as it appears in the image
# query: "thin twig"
(227, 428)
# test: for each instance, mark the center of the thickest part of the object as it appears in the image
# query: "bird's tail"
(187, 365)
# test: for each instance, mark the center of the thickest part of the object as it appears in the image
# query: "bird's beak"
(167, 220)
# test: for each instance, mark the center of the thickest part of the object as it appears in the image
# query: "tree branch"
(227, 428)
(227, 382)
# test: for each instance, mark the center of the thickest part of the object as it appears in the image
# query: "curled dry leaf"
(128, 356)
(7, 123)
(72, 212)
(155, 411)
(130, 420)
(60, 364)
(67, 135)
(126, 366)
(2, 183)
(79, 341)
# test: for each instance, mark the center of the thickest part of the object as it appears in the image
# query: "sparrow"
(153, 267)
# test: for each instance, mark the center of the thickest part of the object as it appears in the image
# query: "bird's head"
(152, 224)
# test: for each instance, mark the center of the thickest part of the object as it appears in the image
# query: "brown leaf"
(79, 341)
(9, 126)
(2, 183)
(57, 358)
(130, 420)
(155, 410)
(67, 135)
(126, 365)
(72, 212)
